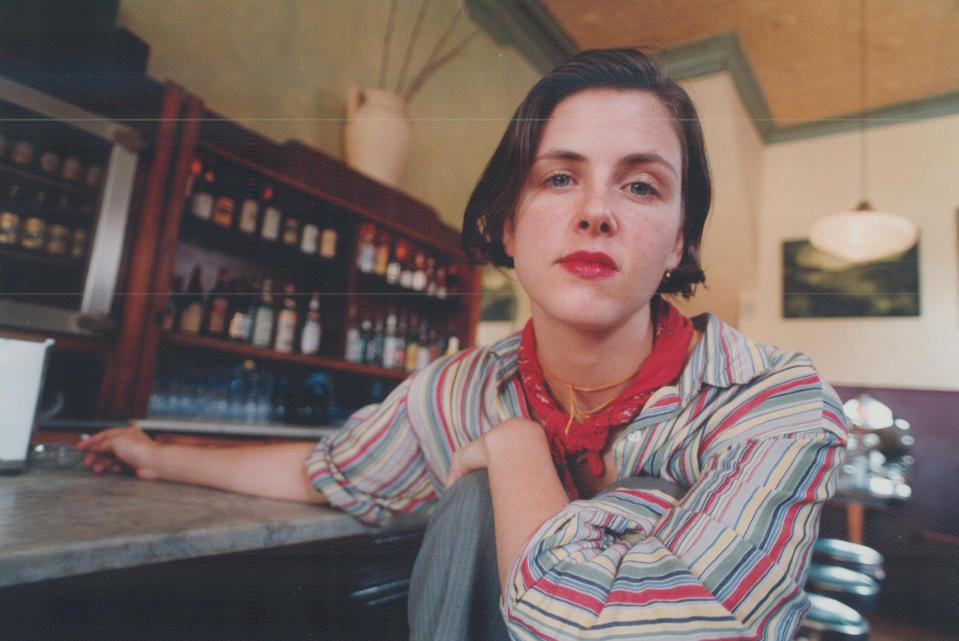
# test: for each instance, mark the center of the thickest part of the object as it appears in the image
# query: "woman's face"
(599, 220)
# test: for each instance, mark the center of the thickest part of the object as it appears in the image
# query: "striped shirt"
(753, 434)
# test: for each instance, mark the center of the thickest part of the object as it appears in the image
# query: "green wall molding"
(528, 27)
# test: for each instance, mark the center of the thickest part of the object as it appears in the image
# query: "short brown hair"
(495, 197)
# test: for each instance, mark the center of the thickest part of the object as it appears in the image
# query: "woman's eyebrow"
(647, 159)
(561, 154)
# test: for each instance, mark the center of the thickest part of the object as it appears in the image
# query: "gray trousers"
(454, 590)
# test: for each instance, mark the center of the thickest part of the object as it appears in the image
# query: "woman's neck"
(588, 359)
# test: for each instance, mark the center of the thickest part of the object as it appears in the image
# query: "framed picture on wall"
(817, 284)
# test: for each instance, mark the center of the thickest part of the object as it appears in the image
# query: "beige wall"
(283, 69)
(735, 151)
(912, 170)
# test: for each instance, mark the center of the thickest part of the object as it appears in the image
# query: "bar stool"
(855, 589)
(853, 556)
(830, 620)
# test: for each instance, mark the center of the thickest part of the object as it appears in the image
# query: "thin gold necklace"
(575, 413)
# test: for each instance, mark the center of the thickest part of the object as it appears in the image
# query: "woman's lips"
(589, 264)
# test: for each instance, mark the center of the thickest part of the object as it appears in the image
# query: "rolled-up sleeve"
(727, 561)
(373, 466)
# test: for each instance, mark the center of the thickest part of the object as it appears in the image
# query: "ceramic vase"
(378, 134)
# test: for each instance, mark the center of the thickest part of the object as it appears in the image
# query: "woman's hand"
(121, 448)
(473, 456)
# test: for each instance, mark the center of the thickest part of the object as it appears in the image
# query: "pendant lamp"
(863, 234)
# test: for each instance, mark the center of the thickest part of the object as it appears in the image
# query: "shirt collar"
(723, 357)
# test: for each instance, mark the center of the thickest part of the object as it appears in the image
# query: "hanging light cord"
(863, 117)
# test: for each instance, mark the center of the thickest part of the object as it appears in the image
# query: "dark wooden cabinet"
(315, 190)
(116, 370)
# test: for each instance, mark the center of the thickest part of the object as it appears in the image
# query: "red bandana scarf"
(566, 435)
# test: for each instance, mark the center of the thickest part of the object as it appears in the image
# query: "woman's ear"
(676, 256)
(508, 236)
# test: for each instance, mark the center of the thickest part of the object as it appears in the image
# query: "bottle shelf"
(232, 241)
(50, 181)
(39, 257)
(252, 351)
(371, 284)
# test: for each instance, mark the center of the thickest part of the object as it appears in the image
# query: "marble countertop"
(65, 521)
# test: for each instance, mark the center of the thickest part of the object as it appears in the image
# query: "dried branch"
(443, 38)
(410, 45)
(430, 69)
(384, 60)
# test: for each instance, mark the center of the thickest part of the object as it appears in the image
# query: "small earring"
(667, 275)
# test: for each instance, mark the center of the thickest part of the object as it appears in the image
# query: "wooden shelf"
(252, 351)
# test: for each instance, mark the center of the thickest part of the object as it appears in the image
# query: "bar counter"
(61, 522)
(113, 557)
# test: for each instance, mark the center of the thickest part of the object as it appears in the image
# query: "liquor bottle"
(286, 321)
(263, 317)
(309, 239)
(72, 168)
(171, 309)
(224, 203)
(238, 328)
(191, 316)
(34, 229)
(328, 242)
(425, 352)
(312, 328)
(366, 251)
(201, 202)
(412, 344)
(218, 306)
(291, 230)
(374, 351)
(272, 214)
(10, 215)
(431, 276)
(406, 274)
(441, 290)
(23, 153)
(399, 344)
(381, 257)
(81, 236)
(395, 266)
(58, 230)
(366, 341)
(49, 161)
(93, 175)
(454, 283)
(250, 207)
(452, 341)
(353, 353)
(419, 273)
(389, 341)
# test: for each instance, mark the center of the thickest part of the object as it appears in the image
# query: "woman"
(648, 476)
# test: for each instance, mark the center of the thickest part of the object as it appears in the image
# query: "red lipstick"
(589, 264)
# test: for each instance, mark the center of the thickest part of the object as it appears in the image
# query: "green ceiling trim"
(528, 27)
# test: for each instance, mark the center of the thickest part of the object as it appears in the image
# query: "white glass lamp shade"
(862, 235)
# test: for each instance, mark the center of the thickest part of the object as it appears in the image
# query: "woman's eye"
(559, 180)
(641, 189)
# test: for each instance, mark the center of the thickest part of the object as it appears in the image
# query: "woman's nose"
(595, 215)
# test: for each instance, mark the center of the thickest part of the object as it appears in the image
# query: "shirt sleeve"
(373, 466)
(726, 561)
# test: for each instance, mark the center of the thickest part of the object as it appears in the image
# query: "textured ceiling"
(805, 54)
